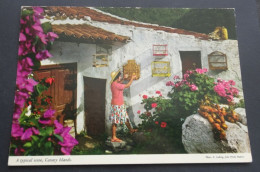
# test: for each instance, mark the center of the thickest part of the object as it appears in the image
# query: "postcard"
(128, 86)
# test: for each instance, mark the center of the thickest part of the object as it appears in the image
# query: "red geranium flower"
(145, 96)
(163, 124)
(156, 122)
(49, 80)
(158, 92)
(154, 105)
(138, 111)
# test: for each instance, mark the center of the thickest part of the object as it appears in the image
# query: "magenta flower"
(43, 55)
(201, 71)
(52, 36)
(27, 134)
(45, 122)
(19, 151)
(48, 113)
(22, 37)
(138, 111)
(17, 130)
(35, 131)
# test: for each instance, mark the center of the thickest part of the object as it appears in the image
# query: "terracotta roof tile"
(83, 12)
(87, 32)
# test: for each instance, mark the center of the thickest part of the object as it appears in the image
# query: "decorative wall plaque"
(217, 61)
(161, 68)
(131, 68)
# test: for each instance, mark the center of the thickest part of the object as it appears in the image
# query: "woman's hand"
(125, 76)
(133, 76)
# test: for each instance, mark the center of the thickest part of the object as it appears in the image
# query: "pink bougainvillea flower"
(154, 105)
(43, 55)
(158, 92)
(42, 37)
(22, 37)
(193, 87)
(138, 111)
(52, 36)
(45, 122)
(37, 28)
(145, 96)
(17, 130)
(163, 124)
(27, 134)
(19, 151)
(48, 113)
(35, 131)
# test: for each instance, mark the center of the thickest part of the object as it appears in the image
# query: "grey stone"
(242, 115)
(119, 146)
(197, 137)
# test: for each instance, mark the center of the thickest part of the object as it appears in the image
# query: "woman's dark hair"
(117, 76)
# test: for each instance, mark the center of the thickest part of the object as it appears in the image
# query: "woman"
(118, 110)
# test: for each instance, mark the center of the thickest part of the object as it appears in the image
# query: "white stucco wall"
(140, 49)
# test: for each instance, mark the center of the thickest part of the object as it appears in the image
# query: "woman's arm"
(130, 82)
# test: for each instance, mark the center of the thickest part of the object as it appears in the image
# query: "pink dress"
(118, 109)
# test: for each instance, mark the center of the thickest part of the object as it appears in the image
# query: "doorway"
(190, 60)
(94, 104)
(63, 90)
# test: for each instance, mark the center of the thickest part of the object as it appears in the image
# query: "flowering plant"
(33, 130)
(195, 86)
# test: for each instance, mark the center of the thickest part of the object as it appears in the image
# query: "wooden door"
(190, 60)
(94, 98)
(63, 90)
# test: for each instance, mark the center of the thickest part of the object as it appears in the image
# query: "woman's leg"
(131, 130)
(114, 131)
(114, 138)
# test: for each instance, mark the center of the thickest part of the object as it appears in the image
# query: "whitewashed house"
(82, 88)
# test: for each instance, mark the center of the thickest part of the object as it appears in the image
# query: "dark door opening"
(64, 89)
(94, 98)
(190, 60)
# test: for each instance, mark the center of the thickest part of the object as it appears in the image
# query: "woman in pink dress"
(118, 110)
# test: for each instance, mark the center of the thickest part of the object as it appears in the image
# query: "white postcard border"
(129, 159)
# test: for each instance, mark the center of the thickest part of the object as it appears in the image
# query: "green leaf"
(40, 88)
(27, 145)
(27, 12)
(49, 130)
(35, 138)
(58, 137)
(46, 27)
